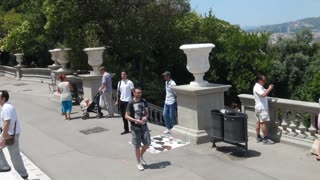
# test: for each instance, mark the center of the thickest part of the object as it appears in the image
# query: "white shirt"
(65, 91)
(170, 93)
(125, 87)
(261, 102)
(8, 112)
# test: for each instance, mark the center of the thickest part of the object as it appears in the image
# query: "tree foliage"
(144, 36)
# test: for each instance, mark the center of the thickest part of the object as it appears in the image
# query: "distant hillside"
(294, 26)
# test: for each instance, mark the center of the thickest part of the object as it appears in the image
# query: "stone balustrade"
(155, 116)
(8, 71)
(292, 121)
(41, 74)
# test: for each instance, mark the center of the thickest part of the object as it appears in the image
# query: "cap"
(166, 73)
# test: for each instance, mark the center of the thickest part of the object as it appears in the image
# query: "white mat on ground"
(161, 143)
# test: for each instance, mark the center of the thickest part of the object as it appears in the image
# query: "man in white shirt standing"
(170, 104)
(10, 126)
(124, 96)
(261, 108)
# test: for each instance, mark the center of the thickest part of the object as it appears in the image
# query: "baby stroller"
(92, 107)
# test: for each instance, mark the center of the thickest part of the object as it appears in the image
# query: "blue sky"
(258, 12)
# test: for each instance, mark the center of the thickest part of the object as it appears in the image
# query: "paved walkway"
(62, 152)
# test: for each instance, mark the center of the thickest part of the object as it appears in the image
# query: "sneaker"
(267, 141)
(143, 162)
(259, 139)
(140, 167)
(167, 131)
(109, 116)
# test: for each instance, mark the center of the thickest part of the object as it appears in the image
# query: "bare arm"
(102, 87)
(5, 130)
(268, 90)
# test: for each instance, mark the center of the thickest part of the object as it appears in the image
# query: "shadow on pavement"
(238, 152)
(159, 165)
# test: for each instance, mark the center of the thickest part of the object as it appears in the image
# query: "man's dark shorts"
(140, 135)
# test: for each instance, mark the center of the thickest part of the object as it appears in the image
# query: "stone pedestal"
(18, 72)
(91, 84)
(194, 106)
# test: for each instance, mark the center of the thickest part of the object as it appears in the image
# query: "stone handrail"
(290, 118)
(155, 111)
(156, 114)
(42, 74)
(7, 71)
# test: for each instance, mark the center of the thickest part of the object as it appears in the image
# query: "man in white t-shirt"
(124, 96)
(10, 126)
(170, 104)
(261, 108)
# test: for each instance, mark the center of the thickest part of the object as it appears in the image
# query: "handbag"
(10, 140)
(102, 102)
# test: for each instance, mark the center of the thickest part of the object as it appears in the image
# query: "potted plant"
(93, 51)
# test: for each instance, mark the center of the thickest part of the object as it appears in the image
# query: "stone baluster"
(312, 128)
(284, 123)
(151, 111)
(293, 125)
(277, 121)
(154, 118)
(302, 127)
(160, 119)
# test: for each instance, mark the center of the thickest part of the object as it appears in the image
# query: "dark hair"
(137, 87)
(124, 71)
(5, 94)
(260, 77)
(62, 77)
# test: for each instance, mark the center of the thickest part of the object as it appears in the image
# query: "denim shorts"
(140, 134)
(66, 106)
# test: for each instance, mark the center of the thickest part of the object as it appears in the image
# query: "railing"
(289, 118)
(156, 114)
(42, 74)
(155, 111)
(8, 71)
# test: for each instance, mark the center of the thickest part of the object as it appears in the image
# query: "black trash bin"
(235, 127)
(215, 130)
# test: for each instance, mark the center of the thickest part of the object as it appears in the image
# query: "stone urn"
(54, 56)
(198, 61)
(63, 59)
(19, 59)
(95, 58)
